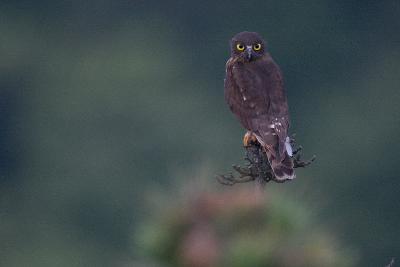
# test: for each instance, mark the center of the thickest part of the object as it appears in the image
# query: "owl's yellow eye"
(240, 47)
(257, 47)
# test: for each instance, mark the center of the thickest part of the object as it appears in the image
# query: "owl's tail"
(283, 169)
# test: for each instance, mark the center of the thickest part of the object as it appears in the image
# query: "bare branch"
(257, 167)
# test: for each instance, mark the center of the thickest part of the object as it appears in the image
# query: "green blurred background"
(105, 103)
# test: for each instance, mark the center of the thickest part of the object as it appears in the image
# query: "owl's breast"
(245, 94)
(250, 82)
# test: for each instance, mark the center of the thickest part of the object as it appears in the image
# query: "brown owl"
(255, 93)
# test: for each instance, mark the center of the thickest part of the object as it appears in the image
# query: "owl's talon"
(249, 139)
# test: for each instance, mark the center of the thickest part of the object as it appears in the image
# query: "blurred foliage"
(237, 228)
(101, 101)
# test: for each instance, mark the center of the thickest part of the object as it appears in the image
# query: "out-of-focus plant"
(238, 228)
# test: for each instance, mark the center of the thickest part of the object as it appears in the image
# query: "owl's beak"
(249, 53)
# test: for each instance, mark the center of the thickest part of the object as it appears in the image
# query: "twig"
(257, 167)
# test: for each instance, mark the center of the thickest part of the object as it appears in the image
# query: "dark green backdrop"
(103, 101)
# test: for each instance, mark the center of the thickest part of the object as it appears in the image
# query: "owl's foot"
(230, 179)
(249, 139)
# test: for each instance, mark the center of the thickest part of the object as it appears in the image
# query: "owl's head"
(247, 45)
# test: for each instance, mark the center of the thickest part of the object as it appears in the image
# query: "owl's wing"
(273, 90)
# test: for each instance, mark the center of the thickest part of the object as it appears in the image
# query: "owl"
(255, 93)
